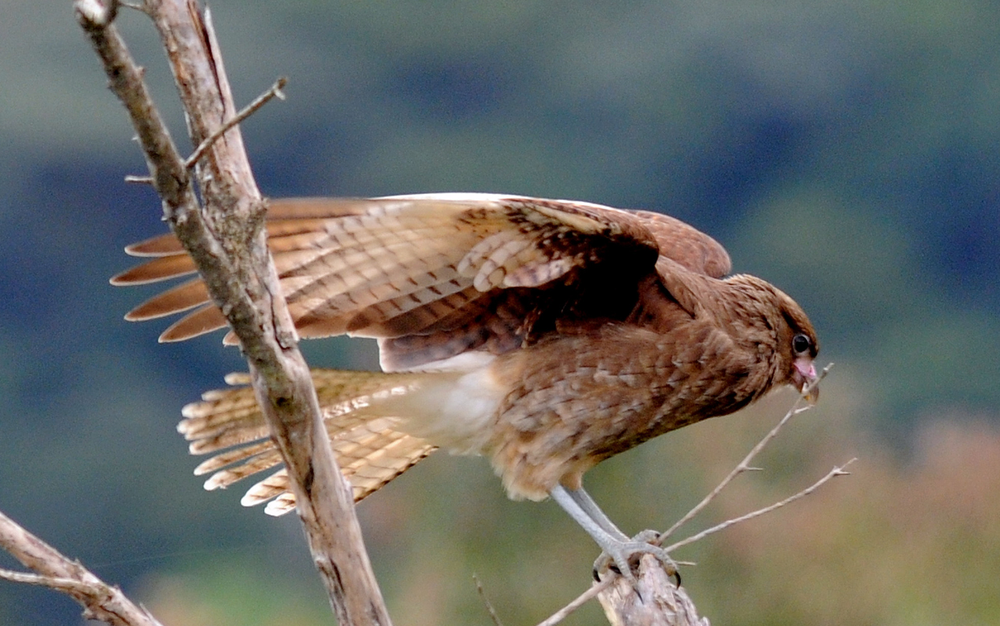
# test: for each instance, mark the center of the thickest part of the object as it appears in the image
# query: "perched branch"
(100, 601)
(653, 601)
(228, 245)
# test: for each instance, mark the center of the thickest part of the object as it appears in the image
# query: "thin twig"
(52, 582)
(247, 111)
(836, 471)
(744, 465)
(579, 601)
(486, 601)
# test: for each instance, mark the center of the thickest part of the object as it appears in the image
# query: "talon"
(603, 562)
(625, 554)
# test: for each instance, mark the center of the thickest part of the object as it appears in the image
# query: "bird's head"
(797, 346)
(772, 321)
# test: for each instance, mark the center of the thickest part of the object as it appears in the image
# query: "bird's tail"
(360, 409)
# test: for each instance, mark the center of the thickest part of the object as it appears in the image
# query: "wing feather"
(180, 298)
(436, 264)
(205, 319)
(162, 268)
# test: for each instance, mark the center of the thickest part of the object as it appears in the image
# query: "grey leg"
(614, 542)
(602, 530)
(588, 506)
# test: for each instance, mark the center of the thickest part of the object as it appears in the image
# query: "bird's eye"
(800, 344)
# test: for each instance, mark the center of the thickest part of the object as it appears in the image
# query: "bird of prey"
(545, 335)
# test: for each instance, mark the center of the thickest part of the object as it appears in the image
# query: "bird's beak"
(804, 376)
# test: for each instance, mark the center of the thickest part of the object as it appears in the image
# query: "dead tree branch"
(653, 601)
(100, 600)
(226, 240)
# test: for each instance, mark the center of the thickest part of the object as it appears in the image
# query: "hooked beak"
(804, 376)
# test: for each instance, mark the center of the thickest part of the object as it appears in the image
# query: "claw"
(625, 555)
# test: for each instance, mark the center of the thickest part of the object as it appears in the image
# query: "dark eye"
(800, 344)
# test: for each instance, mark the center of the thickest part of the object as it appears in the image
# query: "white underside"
(455, 410)
(465, 362)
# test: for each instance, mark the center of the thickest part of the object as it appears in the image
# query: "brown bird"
(546, 335)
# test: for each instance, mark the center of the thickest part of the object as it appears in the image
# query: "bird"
(545, 335)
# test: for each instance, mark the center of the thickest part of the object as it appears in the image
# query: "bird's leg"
(594, 512)
(617, 546)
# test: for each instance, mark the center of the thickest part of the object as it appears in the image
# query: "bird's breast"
(575, 400)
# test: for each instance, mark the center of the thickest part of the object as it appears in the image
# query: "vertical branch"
(227, 242)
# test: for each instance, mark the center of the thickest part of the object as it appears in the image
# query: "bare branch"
(247, 111)
(100, 601)
(836, 471)
(228, 244)
(486, 601)
(744, 465)
(126, 81)
(652, 601)
(576, 603)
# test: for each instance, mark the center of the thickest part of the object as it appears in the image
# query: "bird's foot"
(625, 555)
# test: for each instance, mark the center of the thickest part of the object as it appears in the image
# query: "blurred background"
(847, 151)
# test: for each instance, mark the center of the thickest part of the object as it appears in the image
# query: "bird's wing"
(686, 245)
(437, 275)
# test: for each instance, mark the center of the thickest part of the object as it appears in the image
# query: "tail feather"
(251, 465)
(284, 503)
(227, 438)
(274, 486)
(369, 446)
(229, 457)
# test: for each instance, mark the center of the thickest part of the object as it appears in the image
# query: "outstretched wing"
(434, 276)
